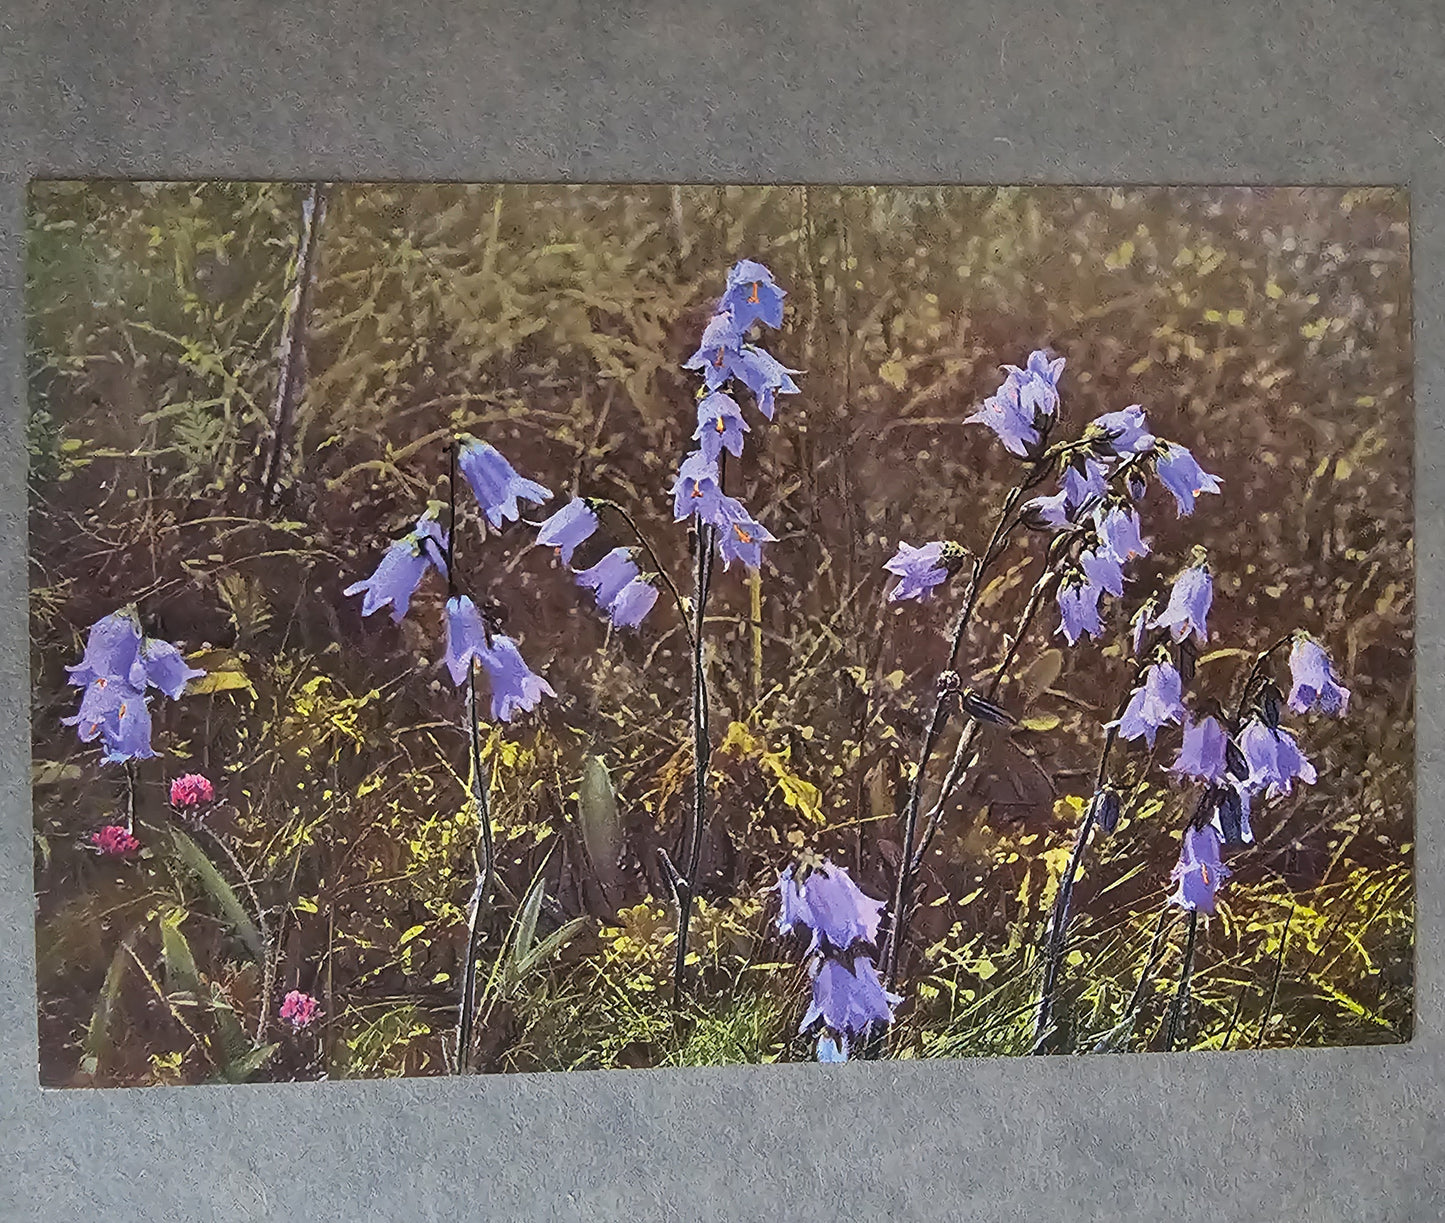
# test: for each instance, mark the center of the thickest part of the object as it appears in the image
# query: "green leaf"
(97, 1037)
(194, 857)
(526, 931)
(243, 1068)
(599, 819)
(182, 976)
(551, 945)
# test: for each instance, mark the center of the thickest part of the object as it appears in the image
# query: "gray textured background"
(1137, 91)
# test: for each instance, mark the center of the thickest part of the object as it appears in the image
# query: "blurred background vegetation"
(1268, 330)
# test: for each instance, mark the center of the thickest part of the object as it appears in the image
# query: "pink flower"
(191, 790)
(299, 1009)
(114, 841)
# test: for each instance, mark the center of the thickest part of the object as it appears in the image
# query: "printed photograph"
(484, 628)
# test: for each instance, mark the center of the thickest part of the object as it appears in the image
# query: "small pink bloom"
(299, 1009)
(114, 841)
(191, 790)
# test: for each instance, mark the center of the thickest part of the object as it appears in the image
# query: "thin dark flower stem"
(1254, 673)
(130, 797)
(682, 609)
(1156, 952)
(1234, 1018)
(1179, 1011)
(451, 523)
(486, 873)
(1274, 984)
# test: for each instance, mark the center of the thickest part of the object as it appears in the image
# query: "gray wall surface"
(812, 90)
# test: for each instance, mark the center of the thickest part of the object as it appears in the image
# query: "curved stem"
(486, 872)
(1179, 1010)
(682, 610)
(1254, 673)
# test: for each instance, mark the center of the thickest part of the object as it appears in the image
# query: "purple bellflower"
(1078, 601)
(1103, 569)
(1199, 872)
(1053, 510)
(919, 569)
(494, 481)
(753, 296)
(1274, 758)
(1182, 476)
(467, 635)
(697, 490)
(831, 1050)
(100, 704)
(1124, 432)
(131, 737)
(570, 527)
(516, 688)
(1313, 679)
(165, 667)
(1037, 383)
(1117, 525)
(1156, 702)
(849, 1001)
(765, 376)
(632, 603)
(828, 903)
(607, 578)
(1083, 486)
(720, 426)
(740, 537)
(1188, 608)
(1011, 422)
(717, 350)
(1203, 753)
(112, 649)
(396, 578)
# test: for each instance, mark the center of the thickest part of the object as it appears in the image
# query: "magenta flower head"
(113, 841)
(165, 667)
(828, 903)
(494, 482)
(849, 1000)
(1182, 476)
(192, 790)
(920, 569)
(1117, 525)
(1274, 758)
(112, 649)
(1189, 601)
(1314, 685)
(632, 603)
(607, 578)
(299, 1010)
(1199, 872)
(718, 350)
(740, 537)
(696, 490)
(753, 296)
(720, 426)
(569, 528)
(1078, 600)
(402, 568)
(1203, 753)
(1123, 432)
(1103, 569)
(1155, 703)
(1037, 383)
(1011, 422)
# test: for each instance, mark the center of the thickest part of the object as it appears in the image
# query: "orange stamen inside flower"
(1204, 870)
(741, 534)
(122, 709)
(719, 424)
(101, 681)
(696, 492)
(718, 360)
(754, 297)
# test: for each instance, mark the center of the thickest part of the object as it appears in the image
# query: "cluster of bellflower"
(848, 995)
(471, 636)
(118, 668)
(725, 357)
(623, 592)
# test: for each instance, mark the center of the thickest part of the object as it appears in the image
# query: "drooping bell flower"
(632, 603)
(1314, 685)
(494, 481)
(570, 527)
(718, 349)
(1117, 526)
(165, 667)
(828, 903)
(112, 649)
(516, 688)
(1153, 704)
(1274, 758)
(1037, 383)
(1081, 486)
(831, 1049)
(697, 489)
(740, 537)
(849, 1000)
(1203, 752)
(720, 426)
(467, 635)
(1181, 475)
(764, 375)
(1188, 609)
(920, 569)
(1102, 569)
(753, 296)
(1199, 872)
(299, 1009)
(130, 738)
(100, 707)
(607, 578)
(1010, 421)
(1123, 432)
(401, 570)
(1054, 510)
(1078, 601)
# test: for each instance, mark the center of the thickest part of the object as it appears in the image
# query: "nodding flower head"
(828, 903)
(130, 738)
(1313, 682)
(1153, 704)
(920, 569)
(632, 603)
(764, 375)
(1199, 872)
(718, 349)
(113, 841)
(112, 649)
(720, 426)
(1203, 752)
(402, 568)
(1078, 600)
(1188, 610)
(831, 1048)
(494, 481)
(516, 688)
(299, 1010)
(609, 576)
(192, 790)
(740, 537)
(1103, 569)
(1012, 423)
(753, 295)
(1273, 758)
(1182, 476)
(570, 527)
(468, 637)
(165, 667)
(1117, 525)
(697, 489)
(1037, 383)
(849, 999)
(1124, 432)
